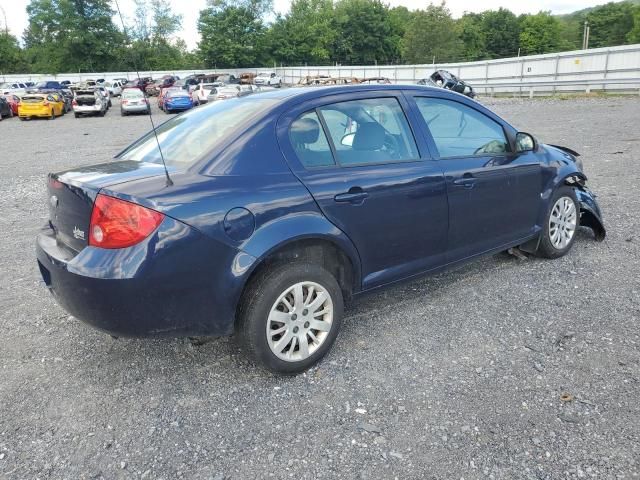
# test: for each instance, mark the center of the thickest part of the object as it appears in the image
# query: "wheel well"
(321, 252)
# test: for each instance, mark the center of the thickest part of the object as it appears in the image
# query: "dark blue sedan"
(275, 208)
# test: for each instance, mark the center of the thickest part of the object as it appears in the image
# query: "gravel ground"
(501, 369)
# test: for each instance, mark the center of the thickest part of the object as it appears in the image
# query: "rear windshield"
(132, 93)
(189, 137)
(26, 99)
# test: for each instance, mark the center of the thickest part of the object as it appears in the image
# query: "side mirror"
(525, 142)
(347, 140)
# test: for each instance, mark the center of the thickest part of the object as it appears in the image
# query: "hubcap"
(299, 321)
(562, 222)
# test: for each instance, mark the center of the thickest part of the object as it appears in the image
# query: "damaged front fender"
(590, 215)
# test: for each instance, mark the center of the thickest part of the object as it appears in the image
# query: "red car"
(13, 101)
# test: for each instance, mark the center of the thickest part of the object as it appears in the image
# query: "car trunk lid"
(72, 194)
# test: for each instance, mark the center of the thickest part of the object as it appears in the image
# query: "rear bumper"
(34, 113)
(135, 108)
(175, 283)
(87, 108)
(181, 106)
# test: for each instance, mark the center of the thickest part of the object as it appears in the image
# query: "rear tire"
(561, 223)
(265, 321)
(77, 115)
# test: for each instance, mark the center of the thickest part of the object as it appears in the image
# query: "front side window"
(458, 130)
(369, 131)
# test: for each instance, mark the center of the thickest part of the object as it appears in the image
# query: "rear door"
(494, 194)
(373, 178)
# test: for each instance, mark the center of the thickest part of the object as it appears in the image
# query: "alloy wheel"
(562, 222)
(299, 321)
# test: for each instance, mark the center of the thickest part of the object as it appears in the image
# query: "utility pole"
(585, 36)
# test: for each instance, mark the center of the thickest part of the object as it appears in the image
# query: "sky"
(17, 15)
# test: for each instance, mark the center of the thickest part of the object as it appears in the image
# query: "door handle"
(355, 195)
(465, 182)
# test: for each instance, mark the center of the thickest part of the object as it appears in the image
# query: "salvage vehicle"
(446, 79)
(8, 88)
(224, 93)
(375, 80)
(268, 79)
(64, 100)
(177, 100)
(89, 101)
(13, 101)
(356, 188)
(203, 91)
(114, 88)
(134, 101)
(5, 108)
(105, 95)
(247, 78)
(153, 89)
(45, 105)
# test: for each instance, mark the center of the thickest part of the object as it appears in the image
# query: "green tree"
(472, 35)
(540, 33)
(502, 33)
(11, 55)
(305, 35)
(232, 34)
(431, 35)
(634, 34)
(72, 35)
(399, 19)
(610, 24)
(363, 33)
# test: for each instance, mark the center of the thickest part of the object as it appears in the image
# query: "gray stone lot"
(500, 369)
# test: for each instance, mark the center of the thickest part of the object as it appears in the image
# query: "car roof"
(321, 91)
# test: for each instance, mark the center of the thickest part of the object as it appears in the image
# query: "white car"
(89, 101)
(114, 88)
(202, 92)
(105, 94)
(268, 79)
(13, 88)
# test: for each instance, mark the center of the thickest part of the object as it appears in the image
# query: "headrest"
(305, 130)
(369, 136)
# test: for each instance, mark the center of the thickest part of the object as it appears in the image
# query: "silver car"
(133, 101)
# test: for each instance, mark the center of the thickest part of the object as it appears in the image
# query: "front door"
(494, 194)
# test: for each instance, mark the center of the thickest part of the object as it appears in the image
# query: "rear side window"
(309, 141)
(459, 130)
(369, 131)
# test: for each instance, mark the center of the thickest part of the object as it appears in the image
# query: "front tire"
(561, 223)
(290, 316)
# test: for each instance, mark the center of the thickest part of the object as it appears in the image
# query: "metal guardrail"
(531, 85)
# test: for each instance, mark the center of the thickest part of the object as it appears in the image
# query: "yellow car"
(48, 105)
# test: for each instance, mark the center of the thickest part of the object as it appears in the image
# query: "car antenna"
(153, 126)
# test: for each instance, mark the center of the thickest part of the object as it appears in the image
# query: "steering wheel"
(391, 145)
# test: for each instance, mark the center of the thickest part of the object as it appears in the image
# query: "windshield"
(187, 138)
(132, 93)
(41, 84)
(177, 93)
(263, 74)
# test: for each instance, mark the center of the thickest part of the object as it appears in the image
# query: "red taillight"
(117, 223)
(74, 103)
(55, 183)
(46, 104)
(124, 102)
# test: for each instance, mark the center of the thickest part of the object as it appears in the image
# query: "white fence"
(553, 72)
